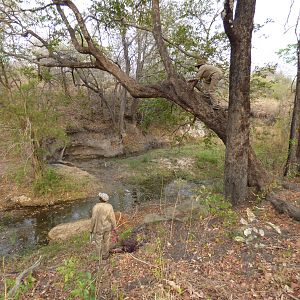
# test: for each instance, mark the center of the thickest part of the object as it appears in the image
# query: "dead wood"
(291, 186)
(284, 207)
(19, 279)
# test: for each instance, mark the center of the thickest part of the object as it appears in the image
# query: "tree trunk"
(122, 111)
(123, 90)
(293, 159)
(65, 82)
(141, 53)
(239, 32)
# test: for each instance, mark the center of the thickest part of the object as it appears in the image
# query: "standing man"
(211, 76)
(102, 223)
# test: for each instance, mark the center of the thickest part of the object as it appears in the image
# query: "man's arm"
(113, 219)
(200, 72)
(193, 81)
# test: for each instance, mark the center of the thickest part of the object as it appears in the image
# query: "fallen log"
(284, 207)
(291, 186)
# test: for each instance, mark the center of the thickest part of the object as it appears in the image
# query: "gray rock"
(153, 218)
(181, 212)
(185, 208)
(180, 189)
(67, 230)
(22, 200)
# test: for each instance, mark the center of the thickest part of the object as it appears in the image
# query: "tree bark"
(141, 52)
(293, 159)
(123, 96)
(239, 32)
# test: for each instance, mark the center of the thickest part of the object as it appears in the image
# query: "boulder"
(67, 230)
(180, 189)
(22, 200)
(87, 145)
(186, 208)
(153, 218)
(180, 212)
(98, 140)
(72, 171)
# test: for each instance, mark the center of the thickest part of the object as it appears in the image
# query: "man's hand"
(192, 83)
(115, 235)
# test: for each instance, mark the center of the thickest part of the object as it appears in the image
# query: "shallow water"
(24, 229)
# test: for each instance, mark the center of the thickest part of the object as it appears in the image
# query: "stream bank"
(159, 175)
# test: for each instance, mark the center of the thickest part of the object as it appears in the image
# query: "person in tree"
(210, 75)
(103, 222)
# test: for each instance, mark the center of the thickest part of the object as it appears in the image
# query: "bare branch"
(289, 14)
(78, 47)
(157, 33)
(38, 8)
(19, 279)
(99, 92)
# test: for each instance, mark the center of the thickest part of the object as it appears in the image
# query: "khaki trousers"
(102, 244)
(211, 85)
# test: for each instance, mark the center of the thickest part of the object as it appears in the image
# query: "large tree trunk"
(293, 159)
(239, 32)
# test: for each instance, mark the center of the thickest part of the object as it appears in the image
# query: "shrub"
(47, 183)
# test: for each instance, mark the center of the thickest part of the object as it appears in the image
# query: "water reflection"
(26, 228)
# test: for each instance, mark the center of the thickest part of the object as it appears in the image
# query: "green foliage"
(116, 293)
(289, 54)
(25, 286)
(31, 115)
(125, 234)
(19, 175)
(161, 112)
(220, 207)
(208, 38)
(270, 144)
(211, 161)
(68, 270)
(47, 182)
(80, 284)
(282, 86)
(51, 182)
(262, 81)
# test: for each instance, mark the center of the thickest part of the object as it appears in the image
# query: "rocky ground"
(248, 253)
(205, 250)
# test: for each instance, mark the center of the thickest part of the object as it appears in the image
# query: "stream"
(26, 228)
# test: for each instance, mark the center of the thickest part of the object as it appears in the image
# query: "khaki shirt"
(206, 71)
(103, 218)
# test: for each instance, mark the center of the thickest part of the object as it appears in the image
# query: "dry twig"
(19, 279)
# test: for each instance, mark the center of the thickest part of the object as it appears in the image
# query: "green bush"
(80, 284)
(161, 112)
(48, 182)
(220, 207)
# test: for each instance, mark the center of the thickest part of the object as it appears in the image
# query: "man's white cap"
(103, 196)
